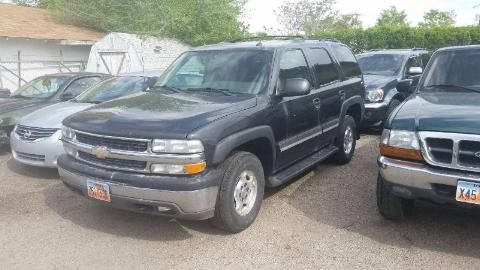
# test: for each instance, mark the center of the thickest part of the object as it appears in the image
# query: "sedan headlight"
(401, 144)
(177, 146)
(376, 95)
(67, 133)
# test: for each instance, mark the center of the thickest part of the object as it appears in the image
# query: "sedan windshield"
(42, 87)
(381, 64)
(454, 71)
(222, 72)
(114, 88)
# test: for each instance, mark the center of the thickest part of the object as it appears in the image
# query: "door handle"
(317, 103)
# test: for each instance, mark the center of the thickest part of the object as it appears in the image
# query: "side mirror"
(405, 86)
(4, 93)
(412, 71)
(294, 87)
(66, 96)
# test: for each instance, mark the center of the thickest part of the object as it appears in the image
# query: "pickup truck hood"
(439, 111)
(53, 115)
(373, 82)
(157, 115)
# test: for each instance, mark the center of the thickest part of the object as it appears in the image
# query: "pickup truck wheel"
(346, 141)
(391, 206)
(241, 192)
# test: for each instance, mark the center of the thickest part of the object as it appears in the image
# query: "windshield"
(459, 70)
(231, 72)
(114, 88)
(42, 87)
(381, 64)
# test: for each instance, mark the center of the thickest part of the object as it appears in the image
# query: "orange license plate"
(468, 192)
(98, 191)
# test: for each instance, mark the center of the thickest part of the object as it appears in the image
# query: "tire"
(346, 150)
(391, 206)
(391, 107)
(239, 167)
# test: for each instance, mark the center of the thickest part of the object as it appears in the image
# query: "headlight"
(375, 95)
(177, 146)
(67, 133)
(178, 169)
(401, 144)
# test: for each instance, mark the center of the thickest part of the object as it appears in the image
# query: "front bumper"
(411, 180)
(375, 113)
(41, 153)
(191, 198)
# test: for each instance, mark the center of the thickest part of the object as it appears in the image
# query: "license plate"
(98, 191)
(468, 192)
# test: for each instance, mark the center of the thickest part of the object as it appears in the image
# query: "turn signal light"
(195, 168)
(401, 153)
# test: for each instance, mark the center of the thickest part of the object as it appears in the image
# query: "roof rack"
(255, 38)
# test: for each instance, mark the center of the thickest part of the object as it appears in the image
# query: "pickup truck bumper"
(411, 180)
(192, 197)
(375, 113)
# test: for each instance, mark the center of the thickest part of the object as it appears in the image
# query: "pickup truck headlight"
(177, 146)
(402, 144)
(178, 169)
(376, 95)
(67, 133)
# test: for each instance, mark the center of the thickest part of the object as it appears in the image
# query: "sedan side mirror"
(294, 87)
(4, 93)
(66, 96)
(413, 71)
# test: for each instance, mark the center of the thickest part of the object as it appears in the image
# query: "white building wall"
(37, 57)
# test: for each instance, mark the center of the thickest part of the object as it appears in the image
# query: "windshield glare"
(456, 68)
(114, 88)
(381, 64)
(42, 87)
(234, 71)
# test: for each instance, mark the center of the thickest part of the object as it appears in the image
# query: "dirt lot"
(326, 219)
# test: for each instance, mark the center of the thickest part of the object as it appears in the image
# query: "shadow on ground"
(344, 197)
(32, 172)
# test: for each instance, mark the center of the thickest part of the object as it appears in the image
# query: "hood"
(53, 115)
(13, 109)
(11, 104)
(379, 81)
(157, 115)
(455, 112)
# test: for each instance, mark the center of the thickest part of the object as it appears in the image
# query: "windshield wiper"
(226, 92)
(166, 87)
(453, 86)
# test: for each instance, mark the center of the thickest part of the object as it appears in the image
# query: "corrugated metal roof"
(37, 23)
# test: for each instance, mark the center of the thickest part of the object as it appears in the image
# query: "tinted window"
(114, 88)
(347, 61)
(323, 66)
(458, 68)
(293, 65)
(381, 64)
(80, 85)
(414, 61)
(42, 87)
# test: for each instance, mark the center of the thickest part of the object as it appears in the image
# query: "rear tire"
(346, 141)
(241, 192)
(391, 206)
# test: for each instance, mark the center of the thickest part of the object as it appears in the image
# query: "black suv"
(223, 122)
(430, 148)
(389, 74)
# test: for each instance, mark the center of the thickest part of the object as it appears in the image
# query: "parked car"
(223, 122)
(39, 93)
(385, 71)
(430, 148)
(36, 141)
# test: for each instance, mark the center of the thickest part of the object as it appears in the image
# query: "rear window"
(347, 61)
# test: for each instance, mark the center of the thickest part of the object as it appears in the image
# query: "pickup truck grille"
(34, 133)
(113, 143)
(451, 150)
(125, 164)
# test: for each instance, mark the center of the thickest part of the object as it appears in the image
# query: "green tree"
(348, 21)
(195, 22)
(435, 18)
(392, 17)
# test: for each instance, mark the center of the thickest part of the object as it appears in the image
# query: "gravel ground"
(323, 220)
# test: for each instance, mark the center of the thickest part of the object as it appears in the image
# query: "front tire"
(346, 141)
(241, 192)
(391, 206)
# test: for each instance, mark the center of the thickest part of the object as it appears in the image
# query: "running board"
(300, 167)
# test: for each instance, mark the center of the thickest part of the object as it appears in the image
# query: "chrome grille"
(32, 157)
(125, 164)
(451, 150)
(112, 143)
(34, 133)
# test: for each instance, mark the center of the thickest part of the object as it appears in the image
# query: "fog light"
(178, 169)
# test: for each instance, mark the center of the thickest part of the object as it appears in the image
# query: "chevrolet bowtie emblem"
(477, 154)
(100, 152)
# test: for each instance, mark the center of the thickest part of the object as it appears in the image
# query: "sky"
(260, 13)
